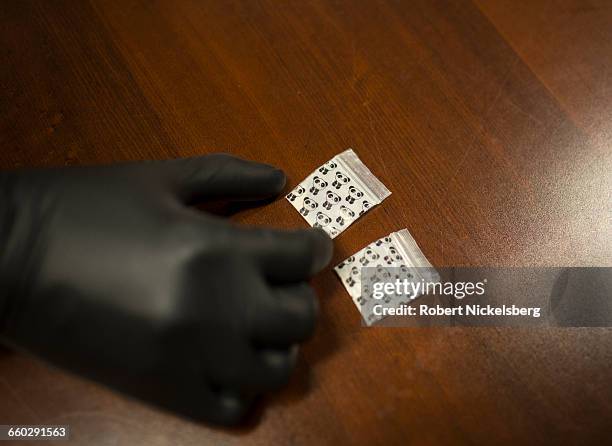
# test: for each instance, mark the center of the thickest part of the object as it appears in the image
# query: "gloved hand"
(107, 272)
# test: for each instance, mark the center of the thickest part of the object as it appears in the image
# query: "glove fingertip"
(323, 250)
(278, 180)
(231, 410)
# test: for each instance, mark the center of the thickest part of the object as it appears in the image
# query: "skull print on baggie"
(308, 206)
(318, 184)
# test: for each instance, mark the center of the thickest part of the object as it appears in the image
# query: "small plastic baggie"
(398, 254)
(338, 193)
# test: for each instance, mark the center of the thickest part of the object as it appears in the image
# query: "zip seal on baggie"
(338, 193)
(413, 255)
(363, 176)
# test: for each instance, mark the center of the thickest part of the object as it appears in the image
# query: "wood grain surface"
(490, 121)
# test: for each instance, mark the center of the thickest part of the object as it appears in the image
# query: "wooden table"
(491, 122)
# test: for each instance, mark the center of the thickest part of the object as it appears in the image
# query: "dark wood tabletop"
(489, 120)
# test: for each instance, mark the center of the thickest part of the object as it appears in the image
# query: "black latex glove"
(107, 272)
